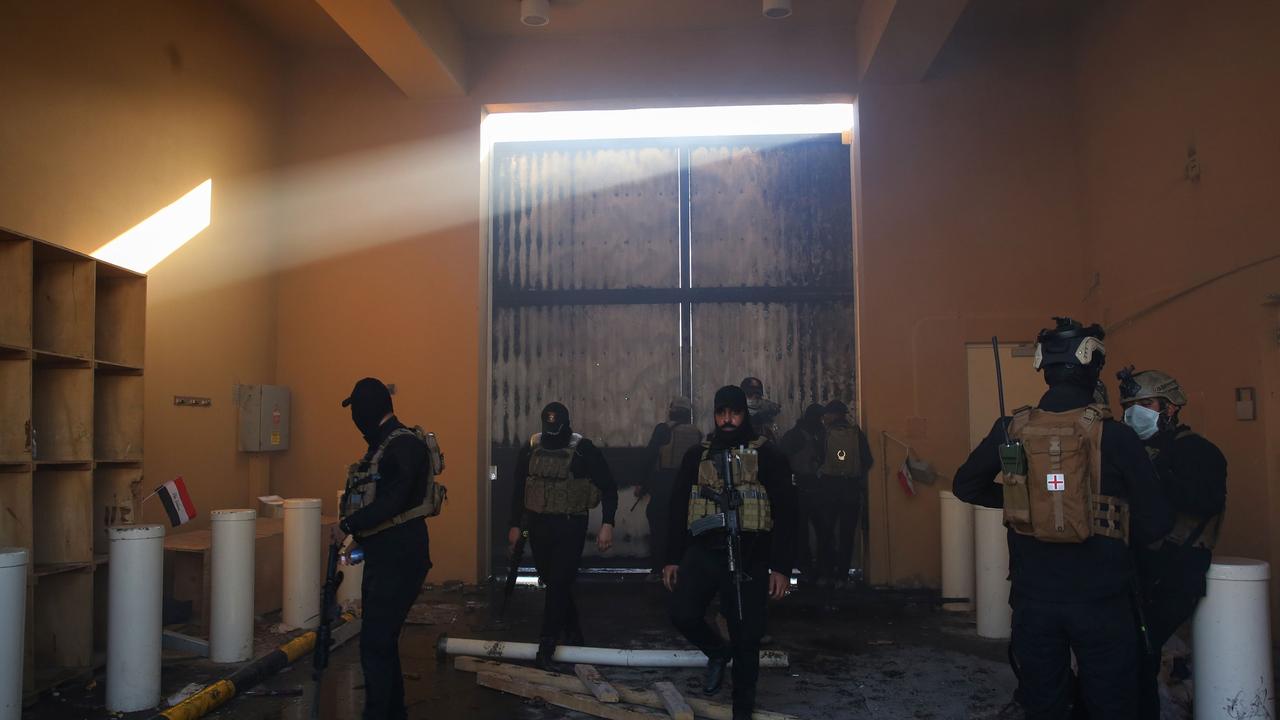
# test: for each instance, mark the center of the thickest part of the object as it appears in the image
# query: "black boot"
(546, 649)
(715, 675)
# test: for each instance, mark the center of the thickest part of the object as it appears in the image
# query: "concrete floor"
(866, 654)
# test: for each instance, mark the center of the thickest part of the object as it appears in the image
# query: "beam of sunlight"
(146, 244)
(667, 122)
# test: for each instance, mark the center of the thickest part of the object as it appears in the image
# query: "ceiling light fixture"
(535, 13)
(777, 9)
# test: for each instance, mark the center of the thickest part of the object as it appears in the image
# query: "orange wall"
(113, 111)
(380, 276)
(1155, 77)
(968, 217)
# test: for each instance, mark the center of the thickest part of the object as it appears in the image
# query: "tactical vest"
(754, 512)
(843, 457)
(362, 482)
(1060, 499)
(683, 437)
(550, 486)
(1191, 530)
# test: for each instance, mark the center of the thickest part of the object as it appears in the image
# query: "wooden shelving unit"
(71, 396)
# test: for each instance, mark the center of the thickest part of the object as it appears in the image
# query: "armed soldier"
(745, 558)
(667, 445)
(388, 494)
(559, 477)
(1193, 475)
(1076, 488)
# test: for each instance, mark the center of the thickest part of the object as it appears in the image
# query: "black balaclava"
(555, 426)
(732, 397)
(370, 401)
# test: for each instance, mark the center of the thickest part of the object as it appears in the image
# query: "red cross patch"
(1056, 482)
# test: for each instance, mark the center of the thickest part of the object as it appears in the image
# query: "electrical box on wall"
(264, 417)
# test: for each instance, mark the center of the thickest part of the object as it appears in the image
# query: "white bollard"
(352, 577)
(957, 551)
(991, 581)
(231, 607)
(13, 626)
(134, 626)
(301, 606)
(1231, 642)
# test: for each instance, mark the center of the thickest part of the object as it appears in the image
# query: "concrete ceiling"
(501, 18)
(296, 23)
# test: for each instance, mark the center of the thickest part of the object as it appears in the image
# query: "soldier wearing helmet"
(1193, 474)
(1069, 560)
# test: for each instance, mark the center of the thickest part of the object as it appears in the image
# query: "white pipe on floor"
(957, 551)
(231, 607)
(352, 576)
(493, 649)
(301, 605)
(991, 577)
(1231, 635)
(13, 625)
(134, 626)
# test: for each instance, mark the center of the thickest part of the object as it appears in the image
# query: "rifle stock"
(324, 633)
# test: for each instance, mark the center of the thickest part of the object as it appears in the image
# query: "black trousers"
(807, 505)
(1165, 611)
(659, 516)
(836, 512)
(850, 499)
(703, 575)
(1101, 635)
(396, 562)
(557, 542)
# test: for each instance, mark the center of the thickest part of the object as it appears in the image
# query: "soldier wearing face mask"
(763, 411)
(1193, 474)
(559, 477)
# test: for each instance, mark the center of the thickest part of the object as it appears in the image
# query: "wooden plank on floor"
(673, 701)
(596, 683)
(570, 683)
(559, 698)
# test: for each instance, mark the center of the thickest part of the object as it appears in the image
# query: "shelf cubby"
(62, 508)
(62, 411)
(16, 278)
(117, 416)
(120, 316)
(63, 623)
(15, 509)
(117, 494)
(15, 407)
(62, 304)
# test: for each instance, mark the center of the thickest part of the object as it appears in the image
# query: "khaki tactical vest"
(362, 482)
(844, 453)
(1192, 530)
(1059, 499)
(683, 437)
(754, 512)
(550, 486)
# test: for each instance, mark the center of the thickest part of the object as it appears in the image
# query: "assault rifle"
(728, 500)
(328, 613)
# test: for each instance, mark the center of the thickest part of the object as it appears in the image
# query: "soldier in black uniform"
(559, 477)
(1072, 595)
(763, 412)
(1193, 475)
(803, 447)
(697, 567)
(397, 556)
(667, 445)
(842, 478)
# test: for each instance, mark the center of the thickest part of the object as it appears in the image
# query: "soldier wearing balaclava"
(559, 477)
(391, 481)
(698, 551)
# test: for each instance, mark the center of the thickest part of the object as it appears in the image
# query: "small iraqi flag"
(177, 503)
(905, 480)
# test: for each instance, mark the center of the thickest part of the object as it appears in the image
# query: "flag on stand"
(177, 503)
(905, 480)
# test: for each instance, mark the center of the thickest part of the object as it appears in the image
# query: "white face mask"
(1144, 421)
